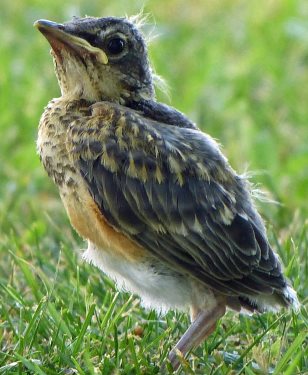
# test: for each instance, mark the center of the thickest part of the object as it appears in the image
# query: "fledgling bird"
(164, 214)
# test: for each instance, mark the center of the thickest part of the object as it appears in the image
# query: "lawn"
(237, 68)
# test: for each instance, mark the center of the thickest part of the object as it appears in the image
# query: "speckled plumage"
(164, 213)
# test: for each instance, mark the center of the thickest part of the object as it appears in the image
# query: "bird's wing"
(173, 192)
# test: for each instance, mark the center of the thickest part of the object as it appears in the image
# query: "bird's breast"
(83, 212)
(89, 222)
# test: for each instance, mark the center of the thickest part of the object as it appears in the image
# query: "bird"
(164, 214)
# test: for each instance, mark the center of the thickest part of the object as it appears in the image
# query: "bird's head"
(100, 59)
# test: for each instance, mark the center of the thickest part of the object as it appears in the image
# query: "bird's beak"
(60, 39)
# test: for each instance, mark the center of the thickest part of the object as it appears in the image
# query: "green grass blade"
(109, 311)
(27, 270)
(40, 308)
(78, 368)
(13, 293)
(119, 314)
(83, 329)
(32, 366)
(291, 370)
(295, 346)
(255, 342)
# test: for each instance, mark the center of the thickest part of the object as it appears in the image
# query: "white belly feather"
(158, 290)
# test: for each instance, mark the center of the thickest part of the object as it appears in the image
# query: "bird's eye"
(115, 46)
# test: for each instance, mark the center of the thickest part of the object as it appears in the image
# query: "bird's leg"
(197, 332)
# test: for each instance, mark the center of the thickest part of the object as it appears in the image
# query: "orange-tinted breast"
(89, 222)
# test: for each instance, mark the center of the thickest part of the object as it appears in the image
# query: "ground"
(240, 70)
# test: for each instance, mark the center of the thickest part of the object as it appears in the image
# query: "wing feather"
(172, 191)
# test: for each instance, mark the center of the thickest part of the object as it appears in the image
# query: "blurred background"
(238, 68)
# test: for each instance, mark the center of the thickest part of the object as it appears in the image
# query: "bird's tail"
(290, 297)
(286, 298)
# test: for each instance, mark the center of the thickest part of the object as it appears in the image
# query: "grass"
(240, 69)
